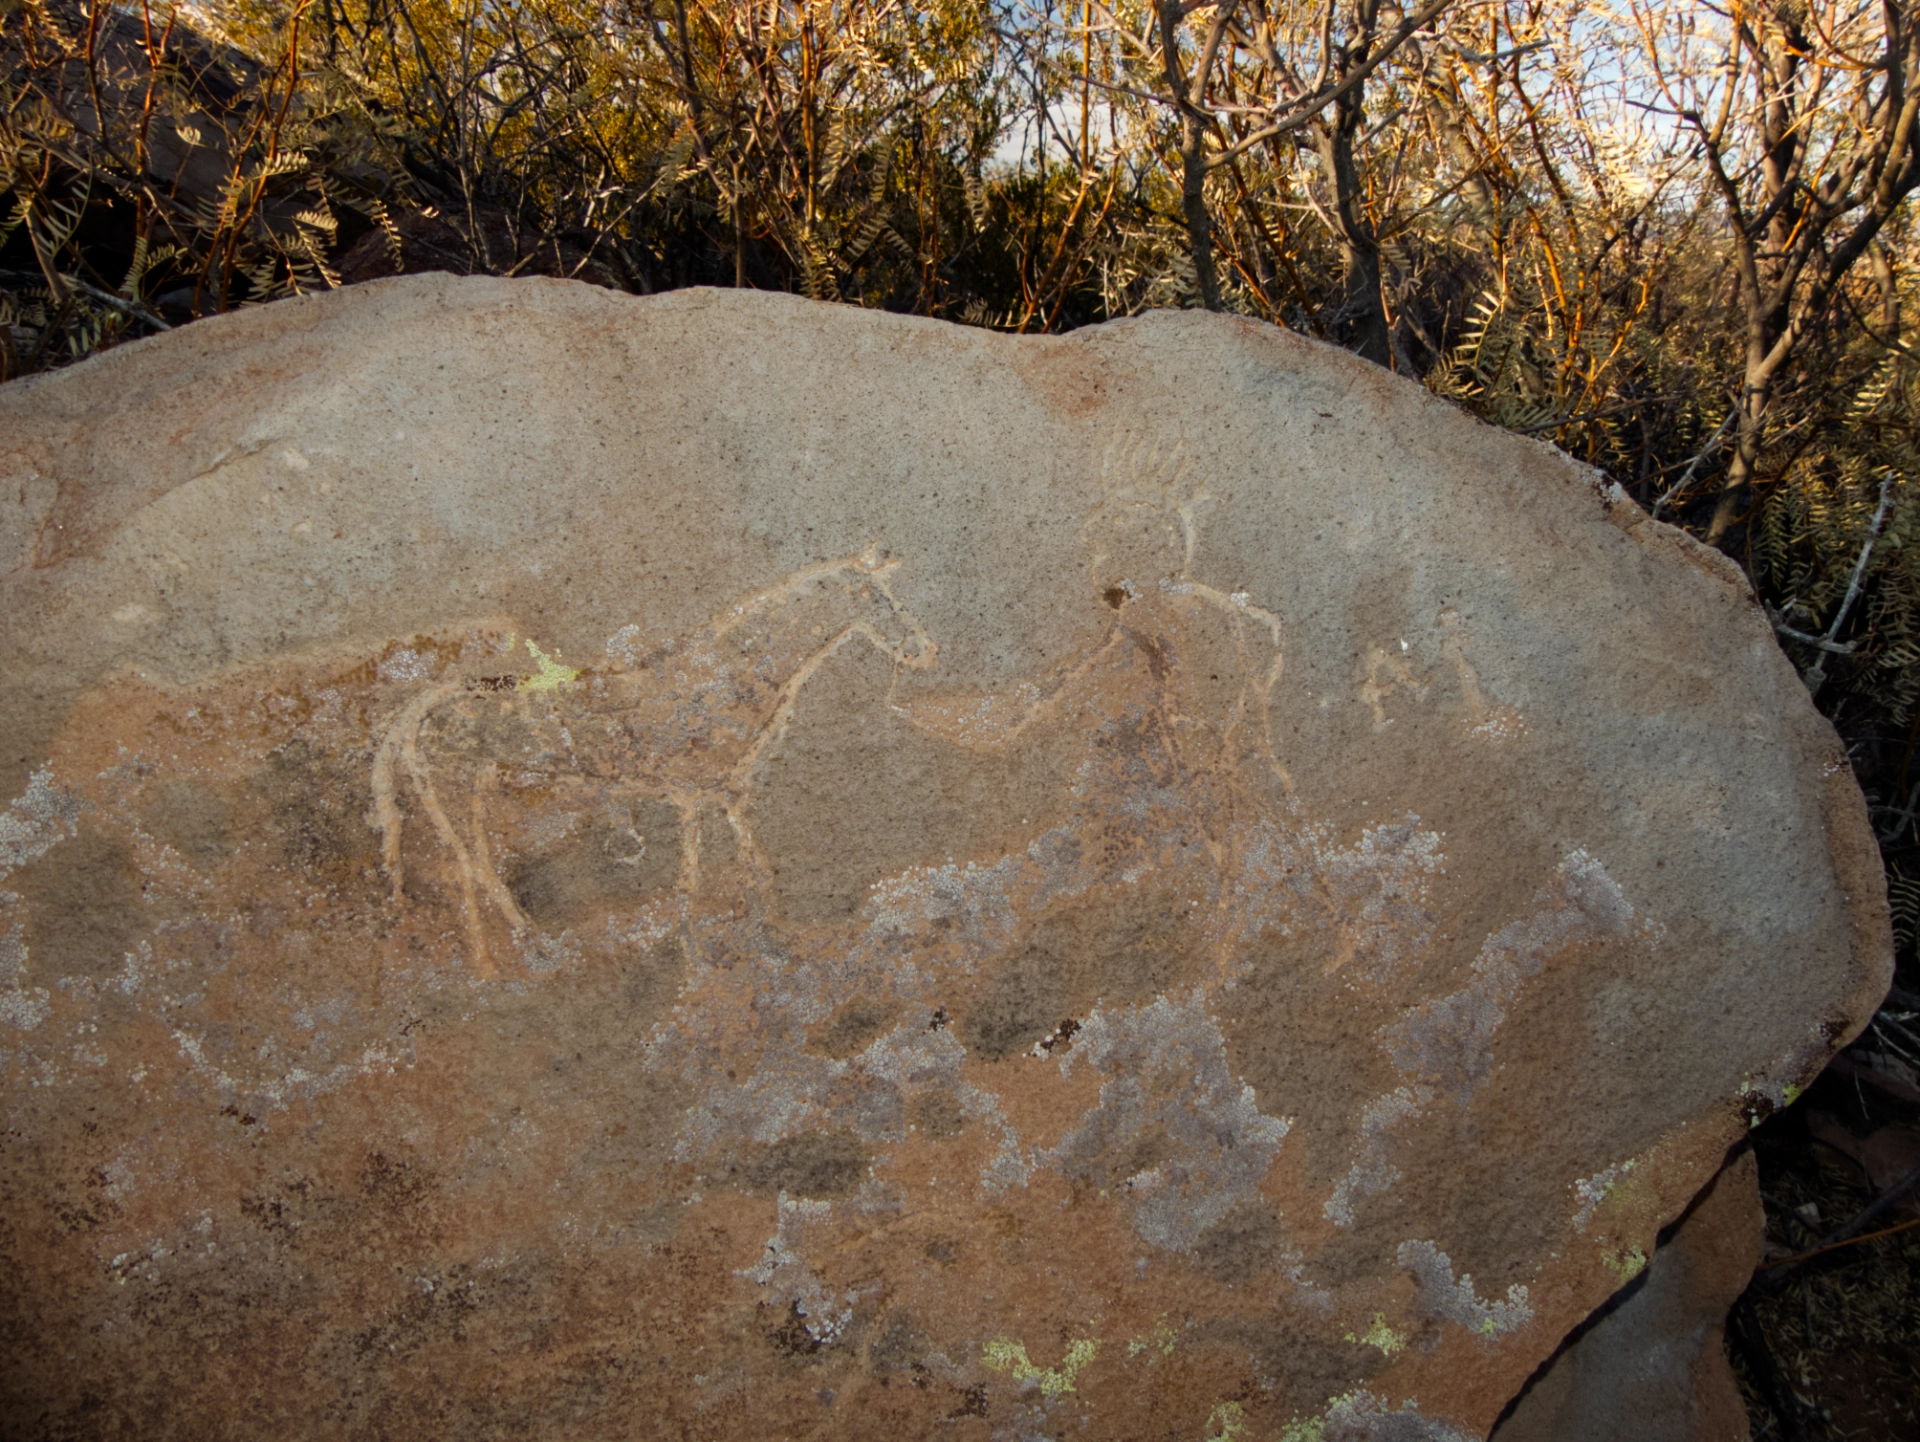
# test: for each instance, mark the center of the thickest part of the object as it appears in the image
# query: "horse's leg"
(463, 864)
(486, 783)
(400, 736)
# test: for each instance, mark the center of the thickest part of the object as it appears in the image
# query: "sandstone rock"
(1652, 1364)
(716, 866)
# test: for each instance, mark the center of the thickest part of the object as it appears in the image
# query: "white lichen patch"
(22, 1007)
(1591, 1191)
(1360, 1416)
(624, 646)
(1447, 1300)
(784, 1271)
(272, 1089)
(1368, 900)
(1373, 1170)
(977, 899)
(33, 824)
(1500, 723)
(1167, 1079)
(405, 665)
(39, 819)
(1449, 1042)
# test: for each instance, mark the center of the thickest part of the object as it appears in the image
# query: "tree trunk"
(1359, 248)
(1193, 200)
(1193, 156)
(1742, 464)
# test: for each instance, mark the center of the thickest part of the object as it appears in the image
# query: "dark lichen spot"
(827, 1164)
(1146, 1154)
(1060, 1035)
(392, 1184)
(650, 983)
(900, 1345)
(852, 1027)
(1115, 952)
(790, 1336)
(1116, 596)
(1756, 1107)
(193, 820)
(319, 807)
(937, 1114)
(1239, 1246)
(1019, 1008)
(83, 905)
(973, 1403)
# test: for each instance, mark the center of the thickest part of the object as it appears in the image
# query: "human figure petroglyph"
(1387, 672)
(686, 720)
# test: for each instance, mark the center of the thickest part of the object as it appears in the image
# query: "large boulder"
(723, 866)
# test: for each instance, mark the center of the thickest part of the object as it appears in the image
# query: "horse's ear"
(879, 564)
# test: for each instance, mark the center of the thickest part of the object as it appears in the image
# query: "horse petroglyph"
(685, 722)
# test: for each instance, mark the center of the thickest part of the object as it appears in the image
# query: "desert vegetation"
(1676, 240)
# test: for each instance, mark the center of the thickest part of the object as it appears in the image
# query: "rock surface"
(722, 867)
(1653, 1362)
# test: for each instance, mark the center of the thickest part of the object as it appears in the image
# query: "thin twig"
(1774, 1387)
(126, 307)
(1816, 677)
(1686, 476)
(1776, 1277)
(1839, 648)
(1881, 1018)
(1850, 1242)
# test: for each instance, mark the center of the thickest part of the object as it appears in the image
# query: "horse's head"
(889, 624)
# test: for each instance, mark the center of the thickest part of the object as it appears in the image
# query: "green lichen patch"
(1227, 1423)
(1380, 1335)
(1006, 1355)
(1626, 1263)
(1160, 1339)
(551, 676)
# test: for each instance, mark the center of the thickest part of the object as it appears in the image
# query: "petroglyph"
(1485, 718)
(478, 774)
(562, 820)
(686, 721)
(1386, 673)
(1388, 669)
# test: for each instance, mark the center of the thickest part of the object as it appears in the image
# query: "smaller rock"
(1652, 1363)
